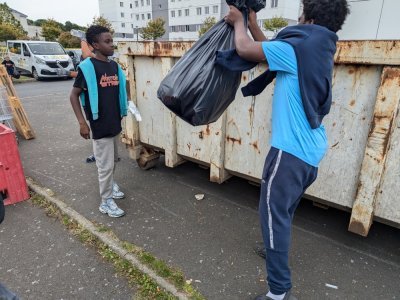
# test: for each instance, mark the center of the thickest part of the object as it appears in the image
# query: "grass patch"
(147, 287)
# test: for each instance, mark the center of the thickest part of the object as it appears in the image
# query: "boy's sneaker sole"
(118, 197)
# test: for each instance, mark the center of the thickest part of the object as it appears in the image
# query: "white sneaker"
(110, 208)
(117, 194)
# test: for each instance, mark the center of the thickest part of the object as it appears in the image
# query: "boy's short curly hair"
(93, 32)
(328, 13)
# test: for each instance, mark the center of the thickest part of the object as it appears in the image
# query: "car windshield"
(46, 48)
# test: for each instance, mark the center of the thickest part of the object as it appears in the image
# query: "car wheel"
(35, 74)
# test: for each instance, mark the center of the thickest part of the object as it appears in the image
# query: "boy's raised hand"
(233, 16)
(84, 131)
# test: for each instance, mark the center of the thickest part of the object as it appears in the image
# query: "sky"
(76, 11)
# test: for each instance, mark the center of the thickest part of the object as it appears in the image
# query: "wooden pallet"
(20, 119)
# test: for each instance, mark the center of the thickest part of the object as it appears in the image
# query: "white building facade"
(372, 20)
(120, 14)
(187, 16)
(183, 18)
(286, 9)
(34, 32)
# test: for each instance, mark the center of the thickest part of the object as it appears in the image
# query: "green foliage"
(69, 41)
(39, 22)
(103, 22)
(30, 22)
(7, 18)
(275, 24)
(154, 29)
(7, 32)
(51, 30)
(208, 23)
(69, 25)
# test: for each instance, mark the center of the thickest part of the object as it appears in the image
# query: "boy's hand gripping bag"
(196, 89)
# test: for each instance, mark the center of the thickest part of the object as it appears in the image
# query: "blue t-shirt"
(291, 131)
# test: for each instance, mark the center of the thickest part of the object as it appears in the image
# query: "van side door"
(27, 57)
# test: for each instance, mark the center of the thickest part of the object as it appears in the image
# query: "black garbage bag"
(255, 5)
(239, 4)
(196, 89)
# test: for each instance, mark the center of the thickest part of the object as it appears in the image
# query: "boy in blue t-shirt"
(297, 146)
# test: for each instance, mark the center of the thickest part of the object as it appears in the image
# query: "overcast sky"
(76, 11)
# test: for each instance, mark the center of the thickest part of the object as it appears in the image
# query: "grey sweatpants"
(106, 154)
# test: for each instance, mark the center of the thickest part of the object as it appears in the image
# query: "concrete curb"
(115, 245)
(24, 81)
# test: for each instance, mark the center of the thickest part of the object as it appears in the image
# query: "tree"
(7, 32)
(69, 41)
(39, 22)
(208, 23)
(69, 25)
(275, 24)
(51, 30)
(103, 22)
(154, 29)
(7, 18)
(30, 22)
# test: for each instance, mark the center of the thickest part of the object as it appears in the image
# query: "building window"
(137, 17)
(136, 3)
(187, 12)
(215, 9)
(142, 16)
(121, 4)
(123, 25)
(142, 2)
(130, 5)
(206, 10)
(198, 11)
(148, 2)
(179, 13)
(122, 15)
(148, 16)
(172, 14)
(274, 3)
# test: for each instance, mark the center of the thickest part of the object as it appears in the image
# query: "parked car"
(40, 59)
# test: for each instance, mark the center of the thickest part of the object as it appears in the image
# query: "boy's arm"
(76, 106)
(245, 46)
(255, 30)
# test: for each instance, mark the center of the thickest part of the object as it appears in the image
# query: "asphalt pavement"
(210, 240)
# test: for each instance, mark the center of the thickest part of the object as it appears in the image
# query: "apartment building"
(120, 15)
(183, 18)
(34, 32)
(187, 16)
(287, 9)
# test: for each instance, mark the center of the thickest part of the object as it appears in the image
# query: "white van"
(40, 59)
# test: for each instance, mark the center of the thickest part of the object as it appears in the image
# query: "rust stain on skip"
(234, 140)
(368, 52)
(205, 133)
(163, 49)
(255, 146)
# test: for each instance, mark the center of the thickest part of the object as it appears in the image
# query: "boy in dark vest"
(301, 59)
(101, 87)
